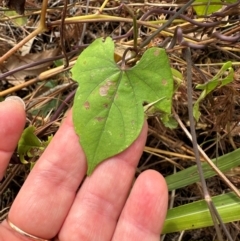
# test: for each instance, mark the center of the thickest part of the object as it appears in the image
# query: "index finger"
(12, 121)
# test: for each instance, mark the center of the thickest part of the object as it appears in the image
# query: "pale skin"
(106, 207)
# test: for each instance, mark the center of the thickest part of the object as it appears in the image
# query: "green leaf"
(28, 143)
(108, 113)
(177, 76)
(210, 6)
(58, 62)
(218, 80)
(46, 108)
(20, 21)
(196, 214)
(171, 123)
(190, 175)
(207, 8)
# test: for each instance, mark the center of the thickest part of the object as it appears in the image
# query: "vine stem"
(169, 22)
(213, 211)
(135, 31)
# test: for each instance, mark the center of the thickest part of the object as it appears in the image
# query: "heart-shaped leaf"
(108, 114)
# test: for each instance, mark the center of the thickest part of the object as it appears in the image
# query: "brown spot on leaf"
(164, 82)
(156, 52)
(109, 83)
(99, 118)
(105, 105)
(103, 91)
(86, 105)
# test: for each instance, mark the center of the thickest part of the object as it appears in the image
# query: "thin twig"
(169, 22)
(62, 33)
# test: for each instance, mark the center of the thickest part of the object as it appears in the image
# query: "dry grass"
(47, 100)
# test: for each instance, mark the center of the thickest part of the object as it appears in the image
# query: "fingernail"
(16, 98)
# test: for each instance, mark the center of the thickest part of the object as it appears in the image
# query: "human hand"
(50, 206)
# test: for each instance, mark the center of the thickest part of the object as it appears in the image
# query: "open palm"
(50, 204)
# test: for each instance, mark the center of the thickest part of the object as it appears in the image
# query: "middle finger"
(100, 200)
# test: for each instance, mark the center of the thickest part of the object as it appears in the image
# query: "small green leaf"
(207, 8)
(177, 76)
(47, 142)
(218, 80)
(108, 113)
(58, 62)
(28, 143)
(46, 108)
(20, 21)
(210, 6)
(170, 122)
(150, 108)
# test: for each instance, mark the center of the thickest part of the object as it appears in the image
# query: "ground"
(212, 38)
